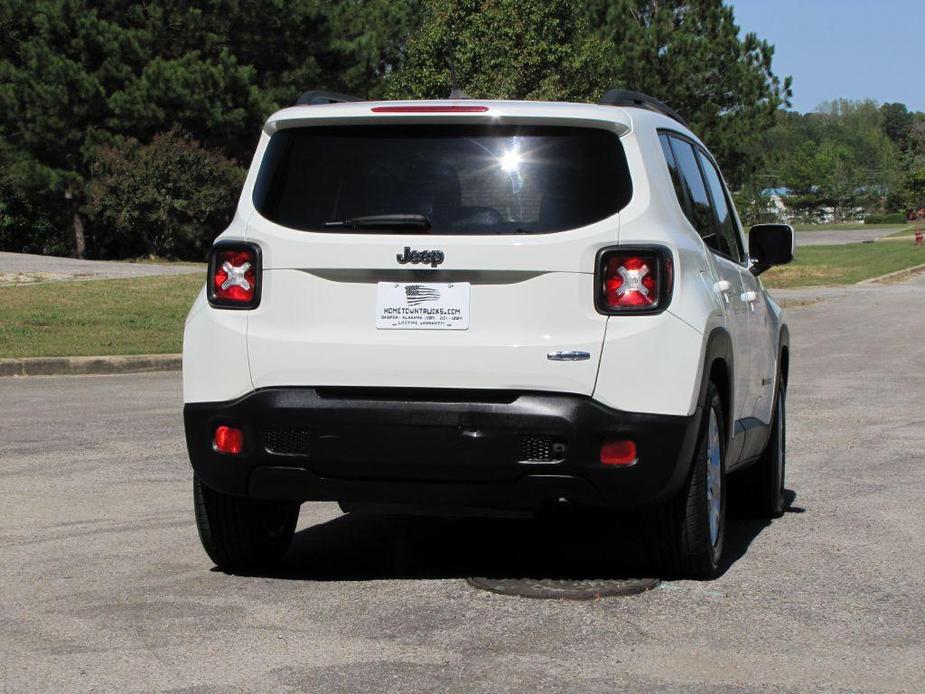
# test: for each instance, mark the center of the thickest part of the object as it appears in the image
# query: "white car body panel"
(215, 364)
(331, 339)
(530, 295)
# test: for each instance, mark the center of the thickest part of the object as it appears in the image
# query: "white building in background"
(776, 205)
(775, 199)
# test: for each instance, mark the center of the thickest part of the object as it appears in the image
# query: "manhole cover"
(564, 589)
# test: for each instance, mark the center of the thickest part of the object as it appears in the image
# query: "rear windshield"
(463, 179)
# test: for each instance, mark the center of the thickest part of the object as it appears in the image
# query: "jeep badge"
(432, 258)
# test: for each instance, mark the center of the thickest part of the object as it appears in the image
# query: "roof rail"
(316, 97)
(623, 97)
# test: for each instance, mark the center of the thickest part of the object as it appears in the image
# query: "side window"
(729, 241)
(700, 212)
(675, 174)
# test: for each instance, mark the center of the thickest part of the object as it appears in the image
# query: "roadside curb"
(890, 275)
(83, 366)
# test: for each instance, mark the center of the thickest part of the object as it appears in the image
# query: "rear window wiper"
(385, 222)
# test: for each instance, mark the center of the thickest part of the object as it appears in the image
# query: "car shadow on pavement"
(742, 530)
(365, 547)
(362, 547)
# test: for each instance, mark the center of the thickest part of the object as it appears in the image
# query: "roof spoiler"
(316, 97)
(623, 97)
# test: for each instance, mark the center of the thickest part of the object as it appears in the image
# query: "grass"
(145, 315)
(845, 226)
(123, 316)
(907, 231)
(853, 262)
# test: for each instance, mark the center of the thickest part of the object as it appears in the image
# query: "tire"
(760, 489)
(242, 534)
(685, 534)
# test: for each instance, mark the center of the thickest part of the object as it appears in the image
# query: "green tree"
(24, 228)
(840, 183)
(505, 49)
(836, 161)
(78, 74)
(913, 166)
(369, 38)
(168, 198)
(689, 54)
(897, 121)
(913, 194)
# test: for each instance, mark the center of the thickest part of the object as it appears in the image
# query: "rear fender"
(215, 354)
(650, 364)
(718, 354)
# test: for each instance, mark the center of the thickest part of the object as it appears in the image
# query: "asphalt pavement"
(839, 237)
(104, 587)
(26, 268)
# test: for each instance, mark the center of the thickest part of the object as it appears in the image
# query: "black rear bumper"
(460, 448)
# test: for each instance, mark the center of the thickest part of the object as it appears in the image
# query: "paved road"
(103, 586)
(835, 238)
(23, 268)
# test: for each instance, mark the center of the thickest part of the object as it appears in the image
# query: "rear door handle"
(722, 287)
(750, 298)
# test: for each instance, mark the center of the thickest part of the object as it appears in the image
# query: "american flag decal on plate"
(419, 294)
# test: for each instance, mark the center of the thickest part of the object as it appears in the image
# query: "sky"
(853, 49)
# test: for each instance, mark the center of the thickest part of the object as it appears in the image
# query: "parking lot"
(104, 587)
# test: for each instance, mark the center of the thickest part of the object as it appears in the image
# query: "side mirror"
(769, 245)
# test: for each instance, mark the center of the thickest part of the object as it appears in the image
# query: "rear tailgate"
(318, 327)
(523, 287)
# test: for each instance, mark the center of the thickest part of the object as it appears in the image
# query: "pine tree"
(689, 54)
(78, 74)
(503, 49)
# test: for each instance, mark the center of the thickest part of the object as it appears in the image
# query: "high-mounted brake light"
(234, 275)
(429, 109)
(633, 280)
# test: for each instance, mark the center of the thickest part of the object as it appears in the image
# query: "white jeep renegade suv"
(485, 306)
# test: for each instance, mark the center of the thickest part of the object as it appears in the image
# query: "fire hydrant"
(918, 238)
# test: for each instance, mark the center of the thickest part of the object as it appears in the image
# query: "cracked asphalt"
(103, 585)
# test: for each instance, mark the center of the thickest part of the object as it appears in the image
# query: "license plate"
(422, 306)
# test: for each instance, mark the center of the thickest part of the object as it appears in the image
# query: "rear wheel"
(242, 534)
(760, 489)
(686, 532)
